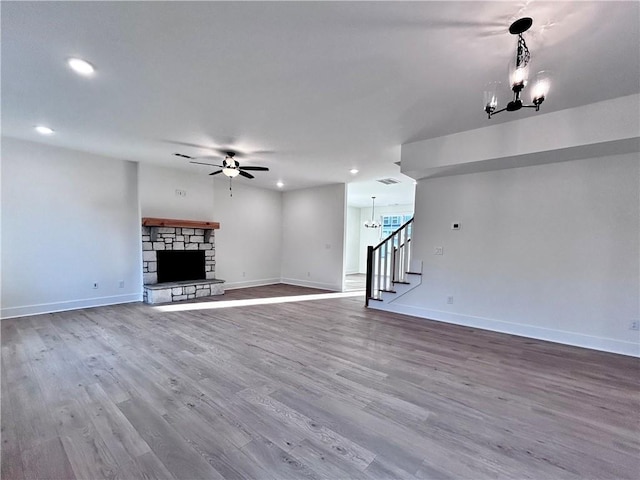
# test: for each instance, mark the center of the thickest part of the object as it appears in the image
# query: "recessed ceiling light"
(42, 130)
(354, 171)
(280, 184)
(80, 66)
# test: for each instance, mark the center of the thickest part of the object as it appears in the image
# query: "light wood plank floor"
(355, 281)
(313, 389)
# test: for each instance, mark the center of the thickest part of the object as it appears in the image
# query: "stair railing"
(388, 262)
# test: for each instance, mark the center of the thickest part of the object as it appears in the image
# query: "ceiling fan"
(230, 166)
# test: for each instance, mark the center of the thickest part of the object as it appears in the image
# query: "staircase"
(391, 272)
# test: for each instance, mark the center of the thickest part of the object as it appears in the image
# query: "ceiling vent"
(388, 181)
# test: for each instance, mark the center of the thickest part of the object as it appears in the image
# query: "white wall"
(549, 251)
(372, 236)
(313, 236)
(248, 244)
(352, 243)
(158, 196)
(69, 219)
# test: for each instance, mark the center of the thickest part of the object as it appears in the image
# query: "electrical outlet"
(181, 193)
(635, 325)
(121, 284)
(438, 251)
(308, 274)
(95, 284)
(244, 274)
(450, 300)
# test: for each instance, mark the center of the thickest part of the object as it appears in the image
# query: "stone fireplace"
(178, 260)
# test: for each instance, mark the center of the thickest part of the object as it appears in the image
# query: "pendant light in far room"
(372, 223)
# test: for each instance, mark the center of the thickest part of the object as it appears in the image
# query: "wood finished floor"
(314, 389)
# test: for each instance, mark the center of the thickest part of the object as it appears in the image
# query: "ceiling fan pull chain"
(230, 190)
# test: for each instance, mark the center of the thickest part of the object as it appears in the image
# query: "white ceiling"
(309, 89)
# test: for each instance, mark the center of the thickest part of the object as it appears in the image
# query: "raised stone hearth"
(179, 291)
(178, 235)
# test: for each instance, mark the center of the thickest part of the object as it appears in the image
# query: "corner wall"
(352, 242)
(313, 236)
(69, 219)
(549, 252)
(248, 249)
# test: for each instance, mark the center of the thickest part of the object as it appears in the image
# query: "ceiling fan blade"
(216, 172)
(262, 152)
(259, 169)
(210, 164)
(245, 174)
(183, 155)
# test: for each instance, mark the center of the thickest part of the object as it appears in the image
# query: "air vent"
(388, 181)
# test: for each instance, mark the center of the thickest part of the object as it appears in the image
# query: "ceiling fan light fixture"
(231, 172)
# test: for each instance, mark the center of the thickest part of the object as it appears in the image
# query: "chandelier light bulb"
(491, 96)
(519, 76)
(540, 88)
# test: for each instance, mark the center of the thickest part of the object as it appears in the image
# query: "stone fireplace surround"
(170, 234)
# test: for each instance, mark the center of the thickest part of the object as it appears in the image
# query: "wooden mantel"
(154, 223)
(171, 222)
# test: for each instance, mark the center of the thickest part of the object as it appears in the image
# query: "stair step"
(401, 283)
(389, 291)
(414, 273)
(376, 299)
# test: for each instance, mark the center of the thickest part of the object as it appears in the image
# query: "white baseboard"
(27, 310)
(251, 283)
(521, 330)
(306, 283)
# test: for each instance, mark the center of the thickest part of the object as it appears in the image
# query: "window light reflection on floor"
(213, 305)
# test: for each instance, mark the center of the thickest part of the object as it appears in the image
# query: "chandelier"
(372, 223)
(518, 76)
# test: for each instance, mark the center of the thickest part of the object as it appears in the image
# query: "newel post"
(369, 274)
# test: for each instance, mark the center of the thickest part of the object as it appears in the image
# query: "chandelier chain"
(523, 52)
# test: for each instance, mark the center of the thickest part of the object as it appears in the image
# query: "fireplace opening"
(180, 265)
